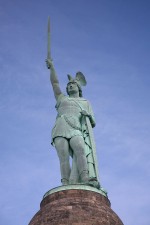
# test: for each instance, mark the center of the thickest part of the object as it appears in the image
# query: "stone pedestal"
(75, 205)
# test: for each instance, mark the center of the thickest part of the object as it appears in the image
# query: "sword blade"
(48, 41)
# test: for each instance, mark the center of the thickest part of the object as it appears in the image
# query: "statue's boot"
(84, 176)
(83, 169)
(65, 172)
(64, 181)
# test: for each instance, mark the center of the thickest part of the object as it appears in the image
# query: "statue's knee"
(63, 155)
(79, 151)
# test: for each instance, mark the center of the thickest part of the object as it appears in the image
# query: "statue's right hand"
(49, 63)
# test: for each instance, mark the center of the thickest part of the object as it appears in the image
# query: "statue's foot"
(73, 181)
(64, 181)
(94, 183)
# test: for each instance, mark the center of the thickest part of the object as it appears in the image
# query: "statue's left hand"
(84, 113)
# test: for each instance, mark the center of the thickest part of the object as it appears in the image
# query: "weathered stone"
(75, 207)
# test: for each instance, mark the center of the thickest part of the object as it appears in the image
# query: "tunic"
(68, 120)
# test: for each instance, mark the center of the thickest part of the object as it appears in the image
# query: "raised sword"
(48, 40)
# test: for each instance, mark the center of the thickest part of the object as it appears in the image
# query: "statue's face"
(72, 87)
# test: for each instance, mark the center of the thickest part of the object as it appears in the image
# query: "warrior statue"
(72, 133)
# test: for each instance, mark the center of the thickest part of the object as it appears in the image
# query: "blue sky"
(109, 42)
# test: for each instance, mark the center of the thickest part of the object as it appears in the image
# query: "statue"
(72, 133)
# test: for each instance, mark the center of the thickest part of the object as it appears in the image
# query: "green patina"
(72, 134)
(76, 187)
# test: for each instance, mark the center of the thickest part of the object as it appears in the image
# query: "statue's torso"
(70, 107)
(68, 121)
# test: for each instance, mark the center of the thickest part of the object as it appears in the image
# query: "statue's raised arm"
(53, 78)
(50, 66)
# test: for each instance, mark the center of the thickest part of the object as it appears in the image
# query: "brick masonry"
(75, 207)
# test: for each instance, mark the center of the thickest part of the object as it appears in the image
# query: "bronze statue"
(72, 133)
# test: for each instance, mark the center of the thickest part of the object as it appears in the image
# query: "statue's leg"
(74, 175)
(77, 144)
(62, 148)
